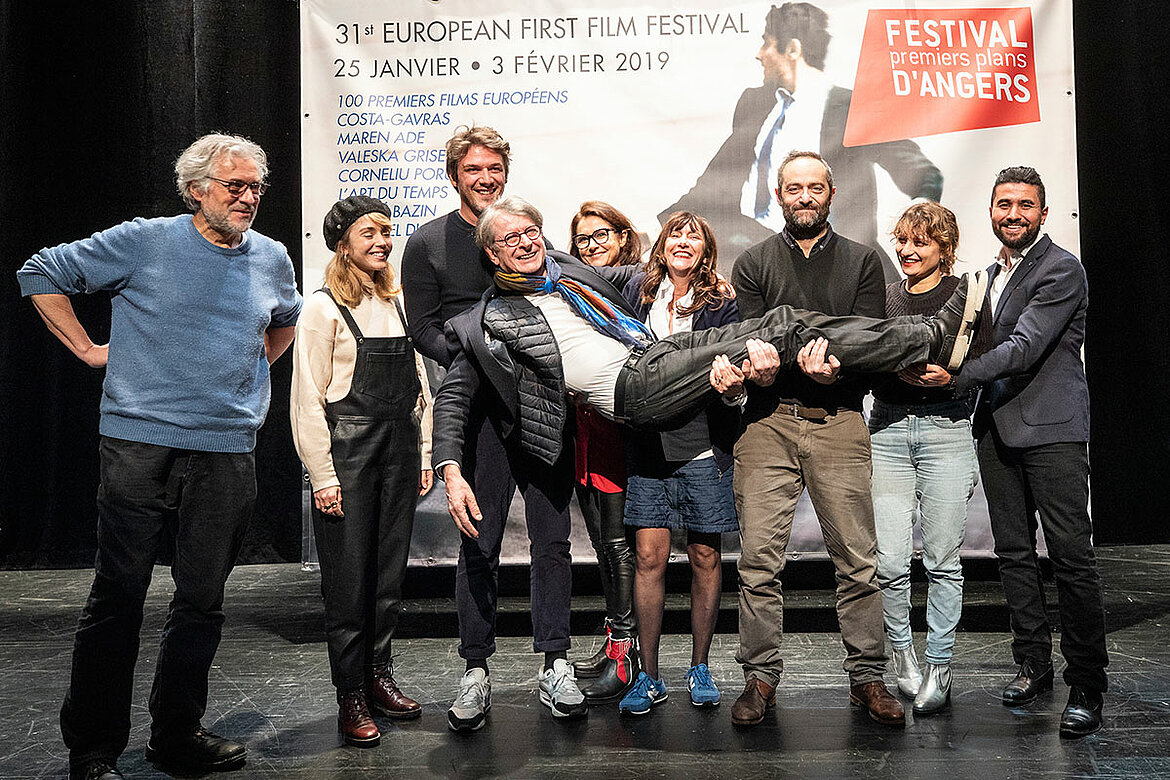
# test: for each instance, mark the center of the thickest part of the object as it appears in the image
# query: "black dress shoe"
(201, 751)
(1031, 680)
(1082, 714)
(98, 769)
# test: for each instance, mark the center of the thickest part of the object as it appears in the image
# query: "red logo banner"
(924, 72)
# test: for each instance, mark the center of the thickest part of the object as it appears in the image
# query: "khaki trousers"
(775, 459)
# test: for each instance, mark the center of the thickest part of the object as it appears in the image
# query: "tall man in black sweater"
(444, 272)
(806, 430)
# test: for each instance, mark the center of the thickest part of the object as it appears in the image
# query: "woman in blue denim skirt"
(680, 478)
(923, 464)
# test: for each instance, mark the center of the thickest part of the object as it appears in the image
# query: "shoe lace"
(642, 686)
(470, 693)
(701, 677)
(617, 649)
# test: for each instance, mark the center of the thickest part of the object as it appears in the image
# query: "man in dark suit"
(798, 108)
(1032, 424)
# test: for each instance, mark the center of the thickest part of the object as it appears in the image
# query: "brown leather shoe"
(882, 706)
(757, 698)
(354, 721)
(386, 699)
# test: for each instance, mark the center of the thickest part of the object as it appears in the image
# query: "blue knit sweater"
(187, 366)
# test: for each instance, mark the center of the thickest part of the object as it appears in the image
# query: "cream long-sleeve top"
(324, 355)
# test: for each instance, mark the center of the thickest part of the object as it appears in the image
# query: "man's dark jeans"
(201, 501)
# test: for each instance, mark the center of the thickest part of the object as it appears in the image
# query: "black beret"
(346, 212)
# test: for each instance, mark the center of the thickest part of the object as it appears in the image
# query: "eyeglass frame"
(581, 240)
(512, 240)
(258, 188)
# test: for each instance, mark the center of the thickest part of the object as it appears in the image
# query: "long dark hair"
(708, 288)
(631, 253)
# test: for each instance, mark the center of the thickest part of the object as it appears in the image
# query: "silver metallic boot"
(907, 671)
(935, 692)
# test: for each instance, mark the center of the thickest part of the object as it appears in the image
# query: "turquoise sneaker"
(644, 695)
(703, 690)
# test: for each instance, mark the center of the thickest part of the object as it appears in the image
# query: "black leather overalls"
(374, 442)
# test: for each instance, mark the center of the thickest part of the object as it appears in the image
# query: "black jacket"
(483, 369)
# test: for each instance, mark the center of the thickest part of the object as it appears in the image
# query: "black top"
(443, 273)
(839, 277)
(899, 301)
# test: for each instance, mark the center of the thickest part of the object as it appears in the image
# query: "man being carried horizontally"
(551, 324)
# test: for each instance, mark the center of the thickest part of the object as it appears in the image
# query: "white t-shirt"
(590, 359)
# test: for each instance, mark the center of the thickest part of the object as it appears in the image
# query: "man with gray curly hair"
(200, 306)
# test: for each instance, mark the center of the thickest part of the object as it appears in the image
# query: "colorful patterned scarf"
(585, 302)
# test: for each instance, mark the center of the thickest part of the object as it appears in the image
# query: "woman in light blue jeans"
(924, 464)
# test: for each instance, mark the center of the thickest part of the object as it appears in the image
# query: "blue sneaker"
(644, 695)
(703, 690)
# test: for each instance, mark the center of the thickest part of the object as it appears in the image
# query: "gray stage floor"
(270, 687)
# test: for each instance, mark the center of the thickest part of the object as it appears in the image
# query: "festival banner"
(653, 108)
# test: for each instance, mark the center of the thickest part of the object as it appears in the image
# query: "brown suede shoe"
(386, 699)
(882, 706)
(354, 721)
(757, 698)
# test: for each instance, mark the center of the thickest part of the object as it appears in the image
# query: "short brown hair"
(467, 137)
(934, 222)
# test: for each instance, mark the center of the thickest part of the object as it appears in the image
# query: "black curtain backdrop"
(97, 100)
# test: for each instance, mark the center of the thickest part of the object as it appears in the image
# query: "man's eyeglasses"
(532, 233)
(236, 188)
(599, 236)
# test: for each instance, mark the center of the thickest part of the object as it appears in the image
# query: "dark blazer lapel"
(1030, 262)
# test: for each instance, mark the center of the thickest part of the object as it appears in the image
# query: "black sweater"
(840, 277)
(891, 390)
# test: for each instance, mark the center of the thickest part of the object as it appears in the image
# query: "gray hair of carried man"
(485, 230)
(194, 165)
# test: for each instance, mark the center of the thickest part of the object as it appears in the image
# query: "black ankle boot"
(594, 664)
(620, 670)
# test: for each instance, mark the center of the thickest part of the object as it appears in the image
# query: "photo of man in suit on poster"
(798, 107)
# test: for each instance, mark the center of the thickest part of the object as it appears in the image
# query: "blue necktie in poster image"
(653, 107)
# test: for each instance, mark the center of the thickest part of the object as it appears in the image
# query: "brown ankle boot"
(385, 698)
(757, 698)
(354, 721)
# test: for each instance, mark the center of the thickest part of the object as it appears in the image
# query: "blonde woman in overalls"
(361, 420)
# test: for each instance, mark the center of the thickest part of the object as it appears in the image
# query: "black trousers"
(604, 515)
(363, 554)
(1051, 481)
(204, 500)
(496, 472)
(669, 381)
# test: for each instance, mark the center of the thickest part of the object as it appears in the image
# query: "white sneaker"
(559, 691)
(473, 702)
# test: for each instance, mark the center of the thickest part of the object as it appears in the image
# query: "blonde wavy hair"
(347, 285)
